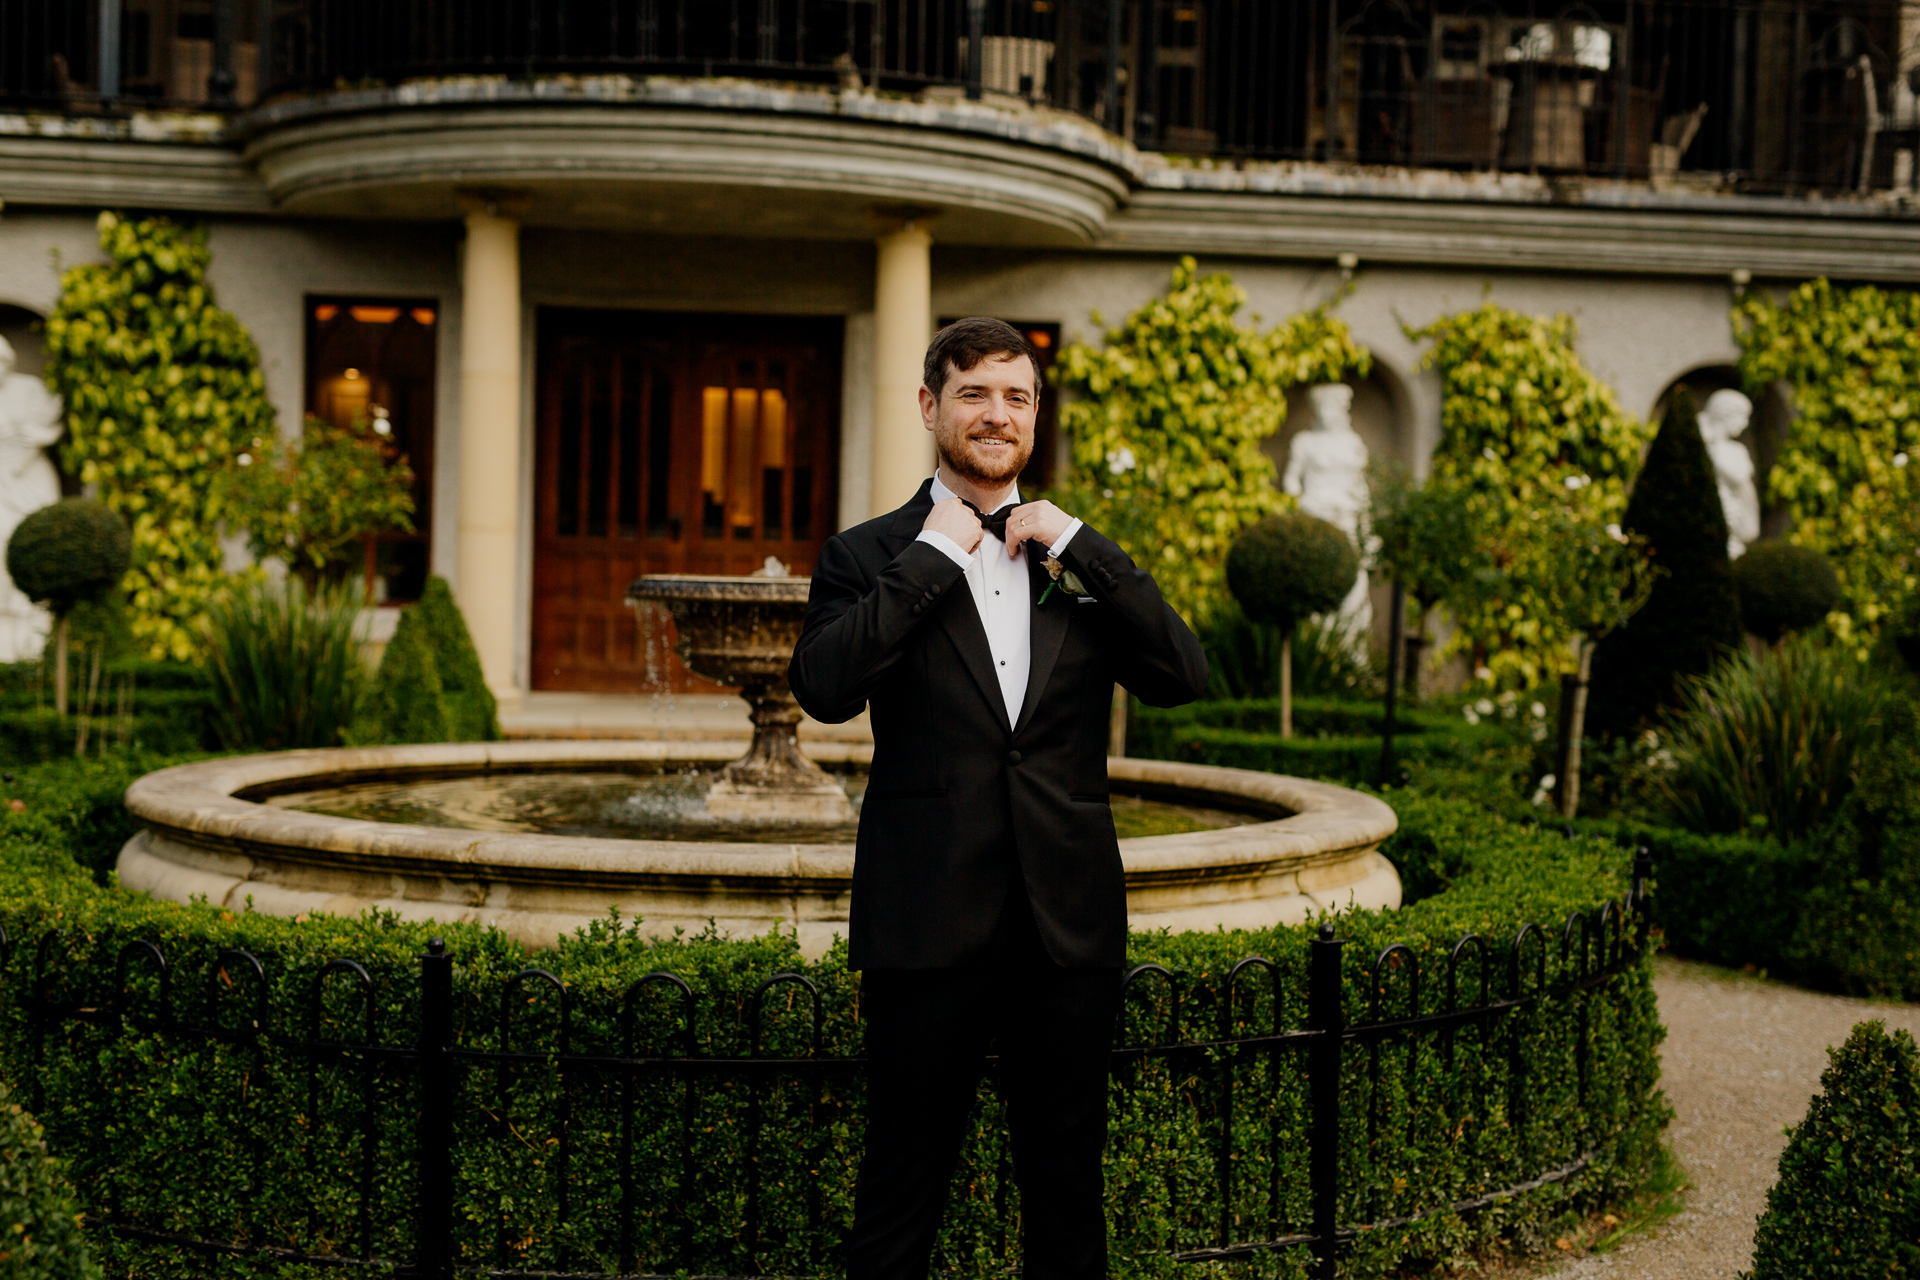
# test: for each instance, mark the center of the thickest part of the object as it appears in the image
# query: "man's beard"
(958, 456)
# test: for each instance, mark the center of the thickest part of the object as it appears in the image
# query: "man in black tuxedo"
(988, 901)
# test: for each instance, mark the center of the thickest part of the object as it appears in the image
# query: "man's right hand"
(956, 520)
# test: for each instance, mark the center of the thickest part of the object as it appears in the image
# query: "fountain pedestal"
(741, 631)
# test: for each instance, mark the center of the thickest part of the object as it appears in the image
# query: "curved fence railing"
(523, 1128)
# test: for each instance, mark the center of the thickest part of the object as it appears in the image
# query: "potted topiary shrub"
(66, 554)
(1784, 588)
(1286, 568)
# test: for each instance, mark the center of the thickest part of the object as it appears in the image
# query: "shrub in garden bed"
(40, 1236)
(1847, 1204)
(1334, 739)
(227, 1140)
(160, 708)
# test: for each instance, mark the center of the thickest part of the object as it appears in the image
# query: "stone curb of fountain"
(208, 834)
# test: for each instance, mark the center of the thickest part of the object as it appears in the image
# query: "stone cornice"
(1701, 237)
(1006, 173)
(97, 173)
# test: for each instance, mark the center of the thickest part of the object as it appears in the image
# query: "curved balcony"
(689, 157)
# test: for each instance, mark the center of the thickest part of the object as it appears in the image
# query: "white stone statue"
(1725, 417)
(1327, 472)
(29, 422)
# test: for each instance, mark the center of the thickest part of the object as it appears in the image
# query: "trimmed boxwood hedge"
(171, 711)
(205, 1140)
(1333, 738)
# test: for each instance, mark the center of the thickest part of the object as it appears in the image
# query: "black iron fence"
(512, 1130)
(1745, 94)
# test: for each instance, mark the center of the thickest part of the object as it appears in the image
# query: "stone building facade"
(637, 310)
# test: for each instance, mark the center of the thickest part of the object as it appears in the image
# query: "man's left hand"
(1041, 522)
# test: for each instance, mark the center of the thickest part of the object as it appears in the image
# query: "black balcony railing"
(1765, 95)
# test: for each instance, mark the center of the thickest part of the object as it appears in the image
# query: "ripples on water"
(634, 806)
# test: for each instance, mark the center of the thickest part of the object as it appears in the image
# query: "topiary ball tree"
(72, 552)
(1783, 588)
(1692, 615)
(1286, 568)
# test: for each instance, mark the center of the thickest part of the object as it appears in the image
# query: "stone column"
(902, 324)
(489, 528)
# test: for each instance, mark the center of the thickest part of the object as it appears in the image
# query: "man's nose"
(999, 412)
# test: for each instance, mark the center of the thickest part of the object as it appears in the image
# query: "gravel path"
(1743, 1056)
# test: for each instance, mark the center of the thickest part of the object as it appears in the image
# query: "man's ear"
(928, 403)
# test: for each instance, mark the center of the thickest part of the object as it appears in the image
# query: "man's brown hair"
(965, 343)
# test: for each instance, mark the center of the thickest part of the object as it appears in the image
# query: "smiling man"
(989, 909)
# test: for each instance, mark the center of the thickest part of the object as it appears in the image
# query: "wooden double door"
(670, 444)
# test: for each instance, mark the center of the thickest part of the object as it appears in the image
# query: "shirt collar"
(940, 492)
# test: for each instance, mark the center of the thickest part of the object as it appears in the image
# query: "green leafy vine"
(1851, 360)
(162, 390)
(1167, 421)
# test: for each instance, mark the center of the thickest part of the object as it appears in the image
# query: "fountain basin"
(208, 831)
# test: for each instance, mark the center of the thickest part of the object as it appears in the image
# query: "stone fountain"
(741, 631)
(769, 844)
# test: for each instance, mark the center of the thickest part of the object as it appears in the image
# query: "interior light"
(325, 312)
(351, 375)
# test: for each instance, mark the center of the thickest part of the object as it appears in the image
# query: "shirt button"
(1013, 757)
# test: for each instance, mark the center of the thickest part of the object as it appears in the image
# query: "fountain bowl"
(210, 832)
(741, 631)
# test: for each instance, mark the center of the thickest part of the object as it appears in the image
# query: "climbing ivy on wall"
(162, 389)
(1529, 439)
(1167, 423)
(1851, 358)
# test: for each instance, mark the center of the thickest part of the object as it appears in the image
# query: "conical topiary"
(1693, 614)
(409, 702)
(1847, 1203)
(430, 687)
(472, 714)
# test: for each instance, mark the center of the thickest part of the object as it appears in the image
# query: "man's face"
(982, 423)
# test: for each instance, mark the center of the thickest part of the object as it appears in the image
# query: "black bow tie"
(995, 522)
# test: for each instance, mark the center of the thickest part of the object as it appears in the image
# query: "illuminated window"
(370, 364)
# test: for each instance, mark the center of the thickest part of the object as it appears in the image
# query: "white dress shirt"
(1001, 591)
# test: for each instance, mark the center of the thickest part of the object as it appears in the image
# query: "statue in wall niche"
(1723, 419)
(29, 422)
(1327, 472)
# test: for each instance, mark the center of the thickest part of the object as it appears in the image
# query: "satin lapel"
(1049, 631)
(957, 617)
(961, 621)
(907, 520)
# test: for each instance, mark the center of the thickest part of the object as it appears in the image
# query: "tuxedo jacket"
(958, 802)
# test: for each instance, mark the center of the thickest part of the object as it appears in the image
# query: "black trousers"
(927, 1034)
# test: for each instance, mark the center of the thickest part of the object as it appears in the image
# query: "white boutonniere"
(1062, 577)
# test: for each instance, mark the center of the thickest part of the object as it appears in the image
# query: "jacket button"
(1013, 757)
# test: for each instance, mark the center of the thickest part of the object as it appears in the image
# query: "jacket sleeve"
(1155, 654)
(855, 627)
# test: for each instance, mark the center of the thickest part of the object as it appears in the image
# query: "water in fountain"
(670, 805)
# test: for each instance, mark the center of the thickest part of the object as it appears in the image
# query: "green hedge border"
(150, 1125)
